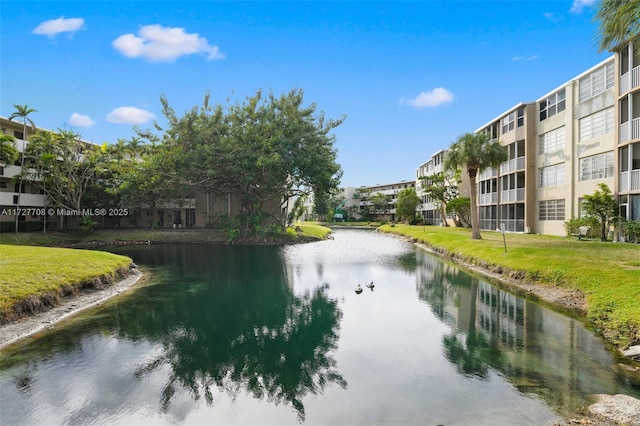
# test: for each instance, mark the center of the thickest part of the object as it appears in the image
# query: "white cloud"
(549, 15)
(129, 115)
(432, 98)
(578, 5)
(164, 44)
(61, 25)
(79, 120)
(523, 58)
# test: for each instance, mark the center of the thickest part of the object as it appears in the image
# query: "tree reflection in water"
(250, 335)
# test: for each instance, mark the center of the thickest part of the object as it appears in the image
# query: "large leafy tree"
(8, 152)
(475, 152)
(22, 112)
(63, 166)
(380, 202)
(441, 188)
(619, 22)
(264, 149)
(602, 205)
(408, 200)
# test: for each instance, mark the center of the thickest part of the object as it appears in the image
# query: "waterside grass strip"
(33, 279)
(607, 273)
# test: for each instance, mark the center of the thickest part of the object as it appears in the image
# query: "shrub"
(572, 226)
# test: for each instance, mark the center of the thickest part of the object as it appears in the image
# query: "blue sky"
(410, 77)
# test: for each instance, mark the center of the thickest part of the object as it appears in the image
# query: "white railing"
(624, 182)
(635, 78)
(624, 84)
(635, 180)
(623, 134)
(635, 128)
(512, 165)
(511, 195)
(487, 174)
(489, 198)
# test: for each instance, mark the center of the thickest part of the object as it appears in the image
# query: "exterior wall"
(210, 209)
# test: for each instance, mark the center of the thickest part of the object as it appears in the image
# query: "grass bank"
(608, 274)
(35, 279)
(308, 230)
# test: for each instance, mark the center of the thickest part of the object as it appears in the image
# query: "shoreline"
(15, 331)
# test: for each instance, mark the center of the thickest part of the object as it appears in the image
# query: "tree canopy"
(602, 205)
(408, 200)
(619, 23)
(264, 149)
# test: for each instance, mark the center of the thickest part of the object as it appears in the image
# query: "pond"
(277, 335)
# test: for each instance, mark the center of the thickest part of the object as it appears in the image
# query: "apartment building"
(560, 148)
(389, 189)
(28, 197)
(429, 210)
(628, 130)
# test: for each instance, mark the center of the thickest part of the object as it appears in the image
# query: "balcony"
(630, 80)
(512, 165)
(488, 198)
(512, 195)
(487, 174)
(26, 200)
(629, 130)
(630, 181)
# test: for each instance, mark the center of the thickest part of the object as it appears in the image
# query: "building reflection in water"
(537, 350)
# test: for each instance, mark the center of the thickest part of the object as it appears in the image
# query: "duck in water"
(370, 285)
(358, 289)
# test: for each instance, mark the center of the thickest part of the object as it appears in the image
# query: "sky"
(408, 77)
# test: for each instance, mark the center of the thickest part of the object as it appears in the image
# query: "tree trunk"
(475, 229)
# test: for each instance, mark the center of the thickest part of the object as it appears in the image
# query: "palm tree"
(119, 149)
(22, 111)
(135, 148)
(476, 152)
(619, 22)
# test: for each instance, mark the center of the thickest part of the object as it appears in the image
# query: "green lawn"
(607, 273)
(29, 273)
(311, 229)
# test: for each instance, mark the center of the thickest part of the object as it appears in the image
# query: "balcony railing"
(624, 83)
(512, 165)
(629, 130)
(512, 195)
(630, 80)
(487, 174)
(26, 200)
(488, 198)
(629, 181)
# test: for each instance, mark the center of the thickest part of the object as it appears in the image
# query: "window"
(18, 135)
(552, 141)
(3, 185)
(596, 124)
(1, 170)
(552, 105)
(552, 175)
(596, 166)
(520, 117)
(597, 82)
(551, 210)
(508, 123)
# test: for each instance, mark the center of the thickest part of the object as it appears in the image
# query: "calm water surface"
(276, 336)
